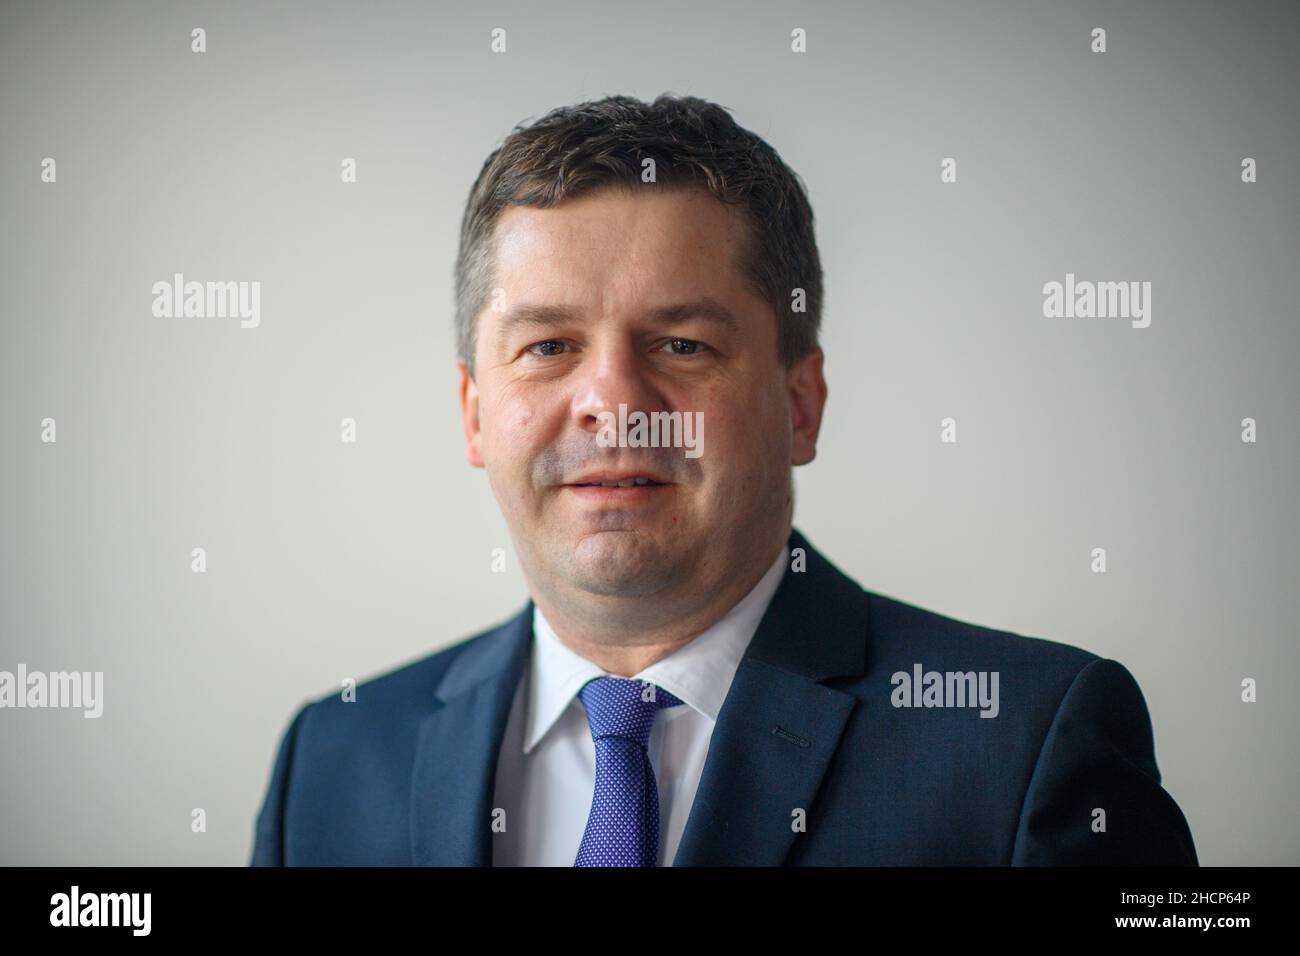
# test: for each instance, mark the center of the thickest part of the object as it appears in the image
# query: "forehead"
(621, 246)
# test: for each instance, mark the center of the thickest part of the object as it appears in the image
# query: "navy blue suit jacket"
(810, 763)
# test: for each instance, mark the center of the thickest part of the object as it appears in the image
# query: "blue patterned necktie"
(623, 828)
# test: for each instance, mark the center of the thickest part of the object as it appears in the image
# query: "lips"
(625, 483)
(618, 489)
(630, 479)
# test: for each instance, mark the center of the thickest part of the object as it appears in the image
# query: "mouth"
(634, 482)
(618, 488)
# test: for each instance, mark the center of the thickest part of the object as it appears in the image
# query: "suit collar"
(817, 623)
(773, 740)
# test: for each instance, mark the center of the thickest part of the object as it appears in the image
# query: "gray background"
(328, 560)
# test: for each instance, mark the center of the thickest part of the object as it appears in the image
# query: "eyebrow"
(545, 316)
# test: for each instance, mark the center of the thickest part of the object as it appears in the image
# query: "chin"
(607, 583)
(619, 568)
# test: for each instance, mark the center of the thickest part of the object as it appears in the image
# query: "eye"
(547, 347)
(689, 346)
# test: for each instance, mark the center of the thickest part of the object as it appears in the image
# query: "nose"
(613, 374)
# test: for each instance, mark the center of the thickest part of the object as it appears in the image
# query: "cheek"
(518, 422)
(739, 432)
(519, 409)
(513, 436)
(748, 442)
(506, 421)
(729, 455)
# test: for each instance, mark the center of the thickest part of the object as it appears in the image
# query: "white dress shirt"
(546, 770)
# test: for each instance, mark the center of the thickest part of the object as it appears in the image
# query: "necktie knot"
(623, 707)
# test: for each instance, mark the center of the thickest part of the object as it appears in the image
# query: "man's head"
(661, 258)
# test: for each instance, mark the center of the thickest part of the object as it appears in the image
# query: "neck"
(625, 635)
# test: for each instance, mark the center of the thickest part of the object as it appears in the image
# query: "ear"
(807, 400)
(469, 415)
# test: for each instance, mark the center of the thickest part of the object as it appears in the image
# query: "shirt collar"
(699, 673)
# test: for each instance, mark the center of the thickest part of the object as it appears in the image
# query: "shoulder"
(921, 658)
(911, 649)
(898, 635)
(903, 633)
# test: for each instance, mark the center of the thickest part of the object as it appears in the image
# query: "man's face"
(636, 299)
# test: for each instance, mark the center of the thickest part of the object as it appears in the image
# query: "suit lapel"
(456, 752)
(779, 726)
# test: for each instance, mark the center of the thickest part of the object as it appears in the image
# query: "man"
(692, 683)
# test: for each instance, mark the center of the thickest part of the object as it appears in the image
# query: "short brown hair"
(575, 149)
